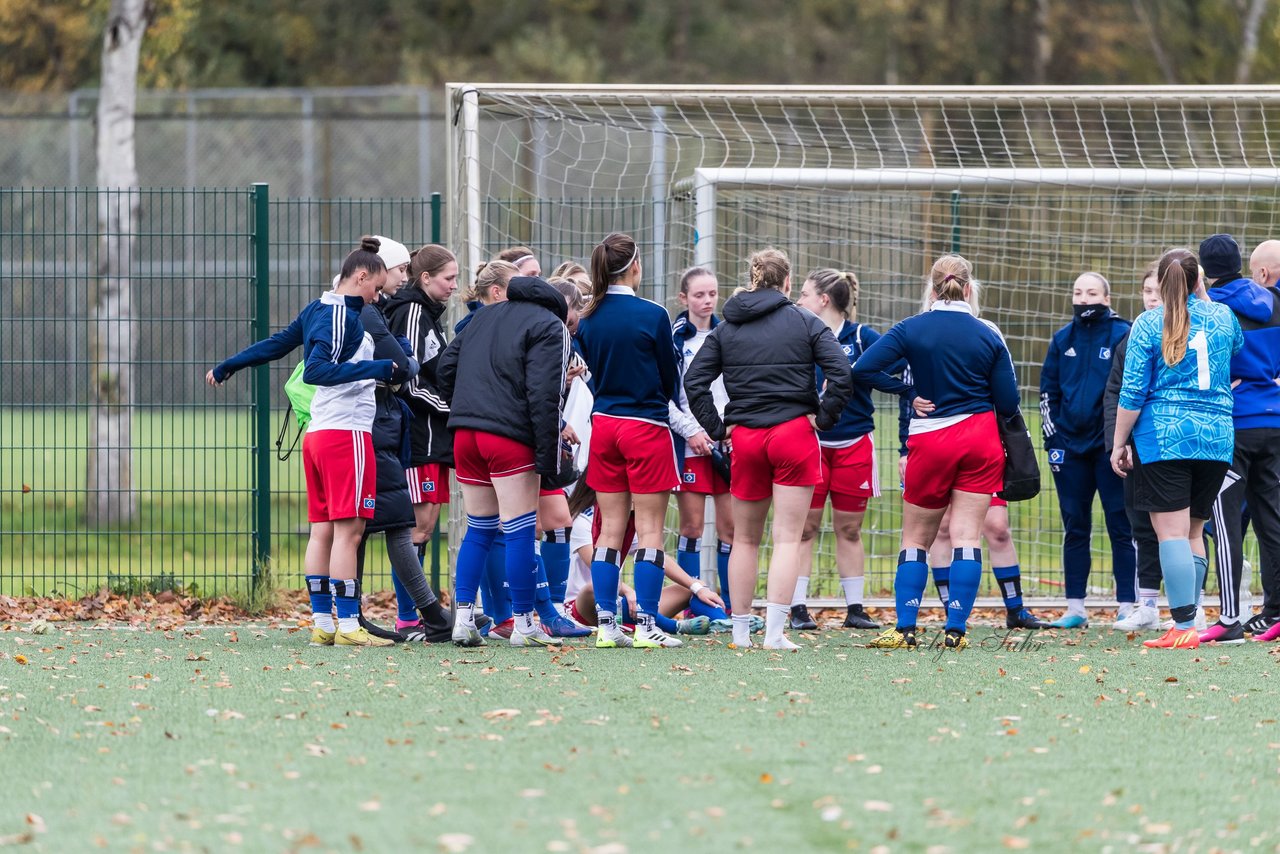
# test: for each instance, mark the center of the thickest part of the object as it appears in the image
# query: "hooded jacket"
(1073, 379)
(1255, 369)
(766, 350)
(415, 316)
(685, 336)
(394, 508)
(505, 374)
(858, 418)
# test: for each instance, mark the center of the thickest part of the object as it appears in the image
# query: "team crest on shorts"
(690, 477)
(368, 503)
(428, 486)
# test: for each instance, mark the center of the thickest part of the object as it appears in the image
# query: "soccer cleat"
(360, 637)
(1023, 619)
(610, 636)
(719, 626)
(895, 639)
(1175, 638)
(694, 626)
(1270, 634)
(537, 637)
(503, 629)
(1201, 624)
(800, 619)
(565, 627)
(465, 634)
(319, 637)
(1220, 632)
(1069, 621)
(857, 619)
(1258, 623)
(649, 636)
(955, 640)
(379, 632)
(1143, 618)
(420, 632)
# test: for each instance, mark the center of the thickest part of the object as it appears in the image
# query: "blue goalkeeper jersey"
(1186, 408)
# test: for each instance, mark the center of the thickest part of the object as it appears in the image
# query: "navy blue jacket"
(472, 307)
(957, 361)
(858, 417)
(629, 350)
(1257, 365)
(1073, 380)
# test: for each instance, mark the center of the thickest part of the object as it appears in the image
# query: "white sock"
(1228, 621)
(852, 589)
(524, 623)
(1125, 609)
(348, 624)
(801, 596)
(741, 630)
(605, 620)
(1076, 607)
(467, 615)
(1147, 597)
(775, 620)
(323, 621)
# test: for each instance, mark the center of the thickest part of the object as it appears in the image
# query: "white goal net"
(1033, 185)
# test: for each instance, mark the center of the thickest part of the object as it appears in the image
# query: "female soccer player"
(699, 293)
(419, 614)
(416, 313)
(523, 259)
(504, 378)
(338, 444)
(634, 374)
(766, 351)
(849, 474)
(576, 273)
(1176, 402)
(962, 367)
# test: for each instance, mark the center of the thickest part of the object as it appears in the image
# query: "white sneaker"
(537, 637)
(466, 634)
(611, 636)
(649, 636)
(1142, 618)
(1125, 609)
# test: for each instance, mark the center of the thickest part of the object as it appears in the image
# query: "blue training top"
(858, 417)
(627, 343)
(1185, 409)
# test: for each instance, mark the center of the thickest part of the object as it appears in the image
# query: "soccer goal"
(1033, 185)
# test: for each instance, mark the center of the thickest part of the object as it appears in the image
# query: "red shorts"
(627, 538)
(967, 457)
(628, 455)
(479, 457)
(341, 474)
(997, 501)
(849, 475)
(543, 493)
(428, 483)
(701, 477)
(786, 454)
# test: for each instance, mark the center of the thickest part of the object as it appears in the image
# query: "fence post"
(262, 377)
(955, 222)
(436, 204)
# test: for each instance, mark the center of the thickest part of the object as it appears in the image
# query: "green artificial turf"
(247, 738)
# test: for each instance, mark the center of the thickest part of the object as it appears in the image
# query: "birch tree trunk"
(1249, 39)
(113, 328)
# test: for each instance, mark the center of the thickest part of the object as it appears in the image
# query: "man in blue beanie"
(1255, 471)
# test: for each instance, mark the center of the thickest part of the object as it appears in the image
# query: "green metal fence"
(200, 499)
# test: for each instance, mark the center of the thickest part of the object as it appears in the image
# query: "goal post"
(1034, 185)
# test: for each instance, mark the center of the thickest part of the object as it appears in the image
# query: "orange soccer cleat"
(1175, 638)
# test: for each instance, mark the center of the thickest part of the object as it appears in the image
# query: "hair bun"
(370, 244)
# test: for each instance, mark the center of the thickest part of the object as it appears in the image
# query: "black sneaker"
(378, 631)
(420, 632)
(1221, 632)
(955, 639)
(857, 619)
(1258, 623)
(1023, 619)
(800, 619)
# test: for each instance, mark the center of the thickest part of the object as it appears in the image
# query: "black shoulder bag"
(1021, 468)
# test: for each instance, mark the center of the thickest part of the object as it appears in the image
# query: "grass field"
(247, 738)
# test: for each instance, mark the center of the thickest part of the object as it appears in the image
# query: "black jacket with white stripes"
(505, 372)
(417, 317)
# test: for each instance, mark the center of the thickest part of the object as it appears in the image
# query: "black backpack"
(1021, 468)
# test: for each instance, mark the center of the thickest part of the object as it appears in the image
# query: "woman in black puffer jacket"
(420, 616)
(766, 349)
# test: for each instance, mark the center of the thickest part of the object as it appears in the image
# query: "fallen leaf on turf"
(500, 714)
(370, 806)
(531, 793)
(36, 822)
(874, 769)
(121, 819)
(877, 806)
(1171, 678)
(455, 843)
(437, 809)
(831, 813)
(1158, 828)
(1016, 842)
(1084, 668)
(20, 658)
(766, 778)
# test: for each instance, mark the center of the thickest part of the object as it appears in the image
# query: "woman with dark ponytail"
(1176, 401)
(337, 451)
(634, 375)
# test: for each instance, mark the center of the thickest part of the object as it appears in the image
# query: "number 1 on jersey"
(1200, 345)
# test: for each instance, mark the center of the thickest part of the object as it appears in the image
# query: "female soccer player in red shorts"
(627, 344)
(338, 449)
(503, 379)
(955, 459)
(849, 474)
(699, 293)
(766, 350)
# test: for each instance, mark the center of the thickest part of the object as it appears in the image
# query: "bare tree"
(1249, 40)
(113, 327)
(1042, 43)
(1157, 47)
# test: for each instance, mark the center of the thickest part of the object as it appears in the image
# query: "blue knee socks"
(1202, 569)
(689, 556)
(942, 583)
(648, 577)
(406, 611)
(606, 567)
(722, 571)
(909, 584)
(522, 566)
(1178, 566)
(556, 557)
(547, 612)
(966, 576)
(472, 555)
(1009, 580)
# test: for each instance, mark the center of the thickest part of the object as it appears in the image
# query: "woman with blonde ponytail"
(1176, 402)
